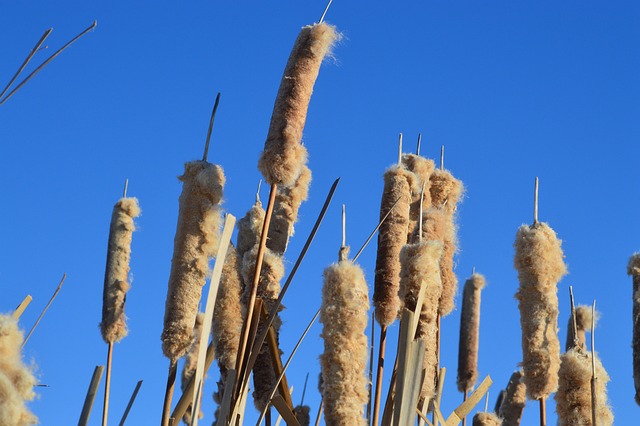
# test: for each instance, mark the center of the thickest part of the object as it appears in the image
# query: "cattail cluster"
(583, 324)
(633, 269)
(116, 278)
(191, 363)
(284, 157)
(392, 236)
(515, 399)
(345, 304)
(16, 379)
(540, 265)
(446, 191)
(486, 419)
(420, 268)
(469, 333)
(573, 399)
(196, 240)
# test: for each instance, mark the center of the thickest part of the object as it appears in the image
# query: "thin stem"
(543, 412)
(51, 58)
(371, 354)
(374, 231)
(324, 13)
(380, 372)
(574, 323)
(344, 226)
(35, 50)
(168, 394)
(400, 149)
(486, 403)
(213, 117)
(126, 186)
(594, 378)
(420, 217)
(442, 157)
(91, 395)
(55, 293)
(130, 404)
(107, 385)
(319, 416)
(304, 389)
(258, 191)
(419, 140)
(465, 395)
(535, 203)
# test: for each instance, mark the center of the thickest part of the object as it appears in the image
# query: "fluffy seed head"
(422, 168)
(486, 419)
(514, 400)
(469, 333)
(250, 229)
(583, 324)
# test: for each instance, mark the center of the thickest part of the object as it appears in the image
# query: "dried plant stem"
(371, 355)
(130, 404)
(55, 293)
(21, 307)
(27, 60)
(594, 377)
(91, 395)
(464, 398)
(107, 385)
(213, 116)
(543, 412)
(379, 375)
(319, 416)
(168, 394)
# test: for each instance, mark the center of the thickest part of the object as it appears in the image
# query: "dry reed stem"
(422, 168)
(190, 364)
(633, 269)
(469, 333)
(583, 324)
(196, 240)
(284, 157)
(345, 304)
(540, 265)
(16, 378)
(268, 290)
(285, 211)
(514, 400)
(573, 398)
(486, 419)
(446, 192)
(392, 235)
(116, 278)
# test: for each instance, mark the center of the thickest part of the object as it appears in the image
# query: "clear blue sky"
(513, 89)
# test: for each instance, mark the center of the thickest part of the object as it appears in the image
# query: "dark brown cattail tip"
(633, 267)
(514, 400)
(302, 414)
(486, 419)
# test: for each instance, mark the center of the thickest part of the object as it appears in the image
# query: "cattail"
(302, 414)
(446, 192)
(420, 268)
(285, 212)
(573, 399)
(16, 379)
(422, 168)
(116, 278)
(469, 333)
(514, 400)
(190, 364)
(195, 242)
(250, 229)
(284, 157)
(271, 273)
(633, 269)
(540, 265)
(392, 235)
(486, 419)
(345, 304)
(583, 324)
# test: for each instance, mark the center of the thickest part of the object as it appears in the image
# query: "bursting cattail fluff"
(250, 229)
(392, 235)
(633, 269)
(486, 419)
(116, 277)
(583, 324)
(196, 240)
(446, 192)
(573, 399)
(469, 333)
(190, 364)
(420, 268)
(285, 211)
(422, 168)
(16, 379)
(514, 400)
(345, 303)
(540, 265)
(284, 157)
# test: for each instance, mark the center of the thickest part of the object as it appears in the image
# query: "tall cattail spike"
(344, 226)
(442, 157)
(126, 186)
(419, 141)
(213, 116)
(421, 209)
(258, 191)
(574, 323)
(324, 13)
(304, 389)
(400, 149)
(535, 202)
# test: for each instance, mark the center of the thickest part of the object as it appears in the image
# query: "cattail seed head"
(116, 278)
(540, 265)
(16, 379)
(302, 414)
(469, 333)
(392, 235)
(250, 229)
(633, 269)
(573, 399)
(422, 168)
(583, 324)
(486, 419)
(284, 157)
(514, 400)
(345, 303)
(195, 242)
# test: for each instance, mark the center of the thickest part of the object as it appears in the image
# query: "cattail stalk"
(116, 282)
(345, 304)
(573, 398)
(514, 400)
(583, 324)
(469, 333)
(540, 265)
(190, 364)
(633, 269)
